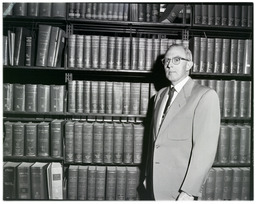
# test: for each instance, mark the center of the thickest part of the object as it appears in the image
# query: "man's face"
(175, 72)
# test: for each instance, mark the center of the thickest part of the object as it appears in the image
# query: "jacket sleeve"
(206, 125)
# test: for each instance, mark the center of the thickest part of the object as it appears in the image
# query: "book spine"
(134, 53)
(225, 63)
(43, 45)
(31, 97)
(204, 14)
(87, 134)
(105, 11)
(120, 12)
(95, 51)
(117, 97)
(87, 97)
(5, 50)
(118, 53)
(227, 183)
(101, 96)
(224, 15)
(100, 183)
(141, 12)
(238, 13)
(111, 52)
(56, 138)
(148, 12)
(233, 56)
(126, 53)
(240, 56)
(126, 97)
(103, 52)
(71, 50)
(43, 139)
(83, 10)
(43, 98)
(246, 178)
(82, 183)
(79, 96)
(19, 97)
(7, 97)
(138, 143)
(111, 183)
(108, 143)
(223, 146)
(235, 96)
(210, 55)
(121, 183)
(211, 14)
(10, 181)
(156, 48)
(228, 93)
(52, 46)
(19, 32)
(79, 48)
(217, 15)
(98, 143)
(231, 15)
(78, 142)
(30, 139)
(28, 51)
(45, 9)
(8, 139)
(87, 51)
(135, 98)
(115, 12)
(234, 144)
(57, 98)
(18, 139)
(20, 9)
(118, 143)
(131, 183)
(203, 47)
(244, 145)
(94, 96)
(126, 12)
(244, 95)
(144, 98)
(109, 96)
(247, 57)
(69, 142)
(91, 182)
(88, 10)
(23, 182)
(210, 185)
(236, 184)
(149, 53)
(218, 55)
(72, 182)
(39, 188)
(58, 10)
(142, 54)
(128, 143)
(218, 190)
(110, 11)
(155, 12)
(244, 16)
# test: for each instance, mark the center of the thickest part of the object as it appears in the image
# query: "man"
(184, 133)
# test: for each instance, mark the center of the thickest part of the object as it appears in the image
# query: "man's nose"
(169, 64)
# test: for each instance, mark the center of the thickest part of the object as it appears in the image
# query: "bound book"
(69, 141)
(171, 13)
(79, 96)
(218, 190)
(132, 183)
(128, 143)
(223, 145)
(87, 51)
(71, 50)
(52, 46)
(31, 97)
(43, 129)
(55, 181)
(227, 185)
(234, 144)
(57, 134)
(30, 139)
(111, 177)
(108, 142)
(18, 139)
(98, 142)
(72, 182)
(43, 98)
(82, 183)
(45, 9)
(78, 144)
(19, 97)
(79, 45)
(8, 139)
(32, 9)
(100, 183)
(121, 182)
(87, 97)
(138, 131)
(87, 134)
(24, 181)
(7, 97)
(118, 143)
(91, 182)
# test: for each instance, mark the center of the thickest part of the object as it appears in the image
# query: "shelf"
(33, 19)
(224, 76)
(232, 165)
(32, 68)
(231, 119)
(32, 159)
(101, 164)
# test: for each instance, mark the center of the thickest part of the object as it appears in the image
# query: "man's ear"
(189, 65)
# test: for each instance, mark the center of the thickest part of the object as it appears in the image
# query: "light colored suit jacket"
(185, 144)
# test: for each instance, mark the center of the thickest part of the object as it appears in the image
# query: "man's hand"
(185, 196)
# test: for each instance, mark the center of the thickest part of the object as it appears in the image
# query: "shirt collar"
(180, 85)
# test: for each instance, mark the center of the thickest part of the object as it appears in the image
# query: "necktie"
(170, 93)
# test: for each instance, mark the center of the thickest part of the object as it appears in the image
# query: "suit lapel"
(177, 104)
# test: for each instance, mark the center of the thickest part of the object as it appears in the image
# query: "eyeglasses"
(175, 60)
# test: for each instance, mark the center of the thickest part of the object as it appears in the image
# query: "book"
(69, 141)
(128, 143)
(237, 15)
(196, 52)
(72, 182)
(57, 128)
(244, 95)
(217, 15)
(250, 16)
(31, 97)
(55, 181)
(233, 56)
(231, 15)
(148, 12)
(95, 51)
(57, 98)
(79, 99)
(126, 97)
(244, 145)
(118, 60)
(210, 55)
(149, 53)
(211, 14)
(76, 10)
(87, 134)
(24, 181)
(144, 98)
(225, 62)
(11, 46)
(94, 92)
(115, 11)
(58, 10)
(118, 143)
(8, 139)
(39, 181)
(104, 11)
(155, 12)
(32, 9)
(111, 51)
(88, 11)
(20, 9)
(236, 184)
(8, 9)
(126, 53)
(52, 46)
(210, 185)
(223, 144)
(101, 96)
(71, 50)
(240, 55)
(5, 50)
(156, 49)
(228, 89)
(218, 55)
(43, 45)
(103, 52)
(82, 183)
(78, 142)
(244, 16)
(245, 188)
(235, 98)
(205, 14)
(234, 144)
(87, 51)
(111, 183)
(227, 183)
(117, 97)
(220, 92)
(91, 182)
(8, 97)
(30, 50)
(198, 14)
(134, 53)
(83, 10)
(43, 98)
(108, 142)
(43, 142)
(100, 183)
(45, 9)
(10, 180)
(18, 139)
(218, 190)
(19, 97)
(171, 13)
(247, 56)
(203, 47)
(135, 98)
(98, 147)
(79, 48)
(132, 183)
(30, 142)
(87, 97)
(141, 53)
(138, 131)
(224, 15)
(121, 176)
(108, 97)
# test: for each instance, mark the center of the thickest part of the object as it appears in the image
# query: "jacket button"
(157, 146)
(157, 162)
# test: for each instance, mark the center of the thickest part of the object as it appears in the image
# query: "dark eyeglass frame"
(173, 60)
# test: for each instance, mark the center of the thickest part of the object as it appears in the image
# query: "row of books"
(44, 139)
(21, 49)
(234, 144)
(35, 9)
(227, 184)
(108, 97)
(102, 182)
(224, 15)
(33, 97)
(109, 52)
(234, 96)
(36, 181)
(217, 55)
(108, 143)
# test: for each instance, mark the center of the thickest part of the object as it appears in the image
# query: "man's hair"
(187, 51)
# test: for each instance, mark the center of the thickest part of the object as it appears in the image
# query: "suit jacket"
(183, 147)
